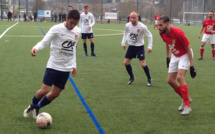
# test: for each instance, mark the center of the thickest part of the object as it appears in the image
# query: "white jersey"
(63, 47)
(135, 35)
(86, 20)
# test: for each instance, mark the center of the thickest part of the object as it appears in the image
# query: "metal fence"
(180, 11)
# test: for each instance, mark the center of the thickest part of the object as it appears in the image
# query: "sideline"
(7, 30)
(82, 100)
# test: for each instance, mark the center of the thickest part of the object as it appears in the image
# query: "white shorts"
(209, 37)
(176, 63)
(156, 22)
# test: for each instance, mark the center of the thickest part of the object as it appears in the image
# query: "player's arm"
(80, 22)
(167, 55)
(44, 42)
(124, 38)
(192, 69)
(92, 21)
(202, 29)
(74, 70)
(150, 39)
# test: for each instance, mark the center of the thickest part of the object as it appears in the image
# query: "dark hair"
(212, 12)
(74, 14)
(70, 6)
(164, 18)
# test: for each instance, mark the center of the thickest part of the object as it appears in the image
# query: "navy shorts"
(87, 35)
(135, 52)
(55, 77)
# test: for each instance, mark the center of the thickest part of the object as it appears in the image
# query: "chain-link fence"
(111, 11)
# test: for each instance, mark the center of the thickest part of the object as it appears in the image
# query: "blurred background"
(183, 12)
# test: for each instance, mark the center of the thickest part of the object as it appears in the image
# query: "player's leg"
(183, 66)
(39, 95)
(205, 39)
(213, 51)
(147, 72)
(84, 43)
(129, 70)
(92, 44)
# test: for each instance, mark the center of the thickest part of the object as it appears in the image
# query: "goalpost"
(200, 18)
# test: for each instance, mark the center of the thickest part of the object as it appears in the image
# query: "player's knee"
(42, 92)
(170, 81)
(126, 63)
(180, 78)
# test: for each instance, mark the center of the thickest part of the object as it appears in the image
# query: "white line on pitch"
(7, 30)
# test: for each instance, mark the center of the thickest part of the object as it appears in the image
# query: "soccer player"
(156, 17)
(134, 32)
(86, 23)
(62, 61)
(181, 60)
(208, 25)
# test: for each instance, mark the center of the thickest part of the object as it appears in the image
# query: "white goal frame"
(184, 14)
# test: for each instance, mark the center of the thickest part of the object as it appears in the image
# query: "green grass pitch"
(119, 108)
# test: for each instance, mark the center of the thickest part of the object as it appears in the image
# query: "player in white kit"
(62, 61)
(86, 23)
(134, 33)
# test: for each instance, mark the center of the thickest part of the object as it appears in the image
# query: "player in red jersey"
(156, 17)
(209, 26)
(181, 60)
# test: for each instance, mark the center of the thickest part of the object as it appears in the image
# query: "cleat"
(35, 113)
(93, 54)
(85, 54)
(28, 111)
(130, 81)
(200, 58)
(186, 110)
(181, 108)
(149, 83)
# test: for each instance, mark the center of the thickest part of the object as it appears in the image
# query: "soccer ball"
(44, 120)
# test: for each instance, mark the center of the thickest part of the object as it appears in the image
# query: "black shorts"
(135, 52)
(87, 35)
(55, 77)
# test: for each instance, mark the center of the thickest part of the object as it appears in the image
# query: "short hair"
(212, 12)
(70, 6)
(86, 6)
(164, 18)
(74, 14)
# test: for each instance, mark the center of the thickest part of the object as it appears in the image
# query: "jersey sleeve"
(46, 40)
(149, 36)
(203, 24)
(183, 39)
(124, 36)
(92, 21)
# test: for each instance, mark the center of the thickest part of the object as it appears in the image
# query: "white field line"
(7, 30)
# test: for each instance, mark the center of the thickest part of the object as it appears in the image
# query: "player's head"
(134, 18)
(73, 19)
(70, 8)
(210, 14)
(86, 9)
(163, 24)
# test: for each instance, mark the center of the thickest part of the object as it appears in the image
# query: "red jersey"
(176, 40)
(156, 17)
(209, 26)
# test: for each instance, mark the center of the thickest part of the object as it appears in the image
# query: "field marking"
(7, 30)
(101, 131)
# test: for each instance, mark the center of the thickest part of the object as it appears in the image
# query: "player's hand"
(192, 71)
(213, 32)
(199, 36)
(149, 50)
(74, 72)
(33, 52)
(167, 62)
(124, 47)
(89, 27)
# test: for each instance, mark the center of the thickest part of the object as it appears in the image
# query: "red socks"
(201, 51)
(185, 95)
(213, 53)
(178, 91)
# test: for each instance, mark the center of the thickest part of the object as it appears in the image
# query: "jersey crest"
(76, 37)
(173, 41)
(138, 31)
(88, 17)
